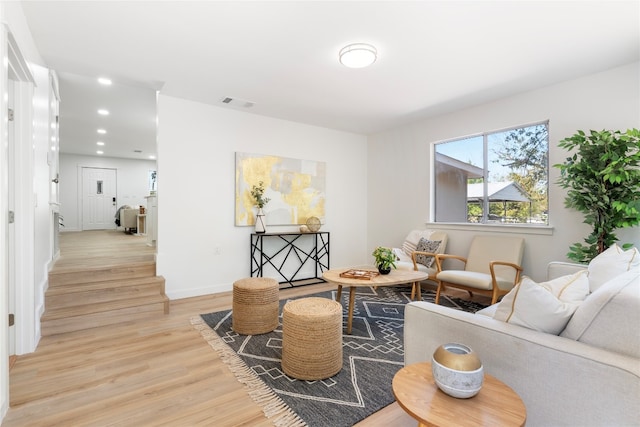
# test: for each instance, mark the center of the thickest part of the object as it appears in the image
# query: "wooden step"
(87, 309)
(68, 321)
(98, 292)
(73, 276)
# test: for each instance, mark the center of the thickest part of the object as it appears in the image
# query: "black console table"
(297, 258)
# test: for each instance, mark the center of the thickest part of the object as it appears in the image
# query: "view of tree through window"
(499, 177)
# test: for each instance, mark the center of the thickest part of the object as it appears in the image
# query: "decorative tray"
(359, 274)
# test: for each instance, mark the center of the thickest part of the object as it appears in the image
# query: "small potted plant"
(257, 193)
(385, 259)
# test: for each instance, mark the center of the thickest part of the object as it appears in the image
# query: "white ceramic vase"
(260, 222)
(457, 370)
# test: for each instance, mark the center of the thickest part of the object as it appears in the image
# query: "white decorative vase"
(457, 370)
(260, 222)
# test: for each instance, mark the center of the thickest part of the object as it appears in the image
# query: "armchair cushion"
(485, 249)
(471, 278)
(474, 279)
(545, 307)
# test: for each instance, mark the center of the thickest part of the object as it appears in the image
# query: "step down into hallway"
(81, 298)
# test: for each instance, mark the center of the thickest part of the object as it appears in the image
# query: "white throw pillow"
(611, 263)
(545, 307)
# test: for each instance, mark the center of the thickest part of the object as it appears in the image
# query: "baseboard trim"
(198, 292)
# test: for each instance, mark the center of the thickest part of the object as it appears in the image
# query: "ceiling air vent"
(237, 102)
(137, 151)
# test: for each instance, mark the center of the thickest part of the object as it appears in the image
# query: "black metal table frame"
(319, 255)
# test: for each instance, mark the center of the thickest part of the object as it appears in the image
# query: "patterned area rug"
(372, 354)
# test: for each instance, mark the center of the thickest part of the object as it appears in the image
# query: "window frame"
(432, 222)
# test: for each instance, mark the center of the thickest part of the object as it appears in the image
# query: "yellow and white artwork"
(296, 188)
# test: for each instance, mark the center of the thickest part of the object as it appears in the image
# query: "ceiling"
(433, 57)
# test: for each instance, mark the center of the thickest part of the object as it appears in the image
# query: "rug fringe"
(274, 408)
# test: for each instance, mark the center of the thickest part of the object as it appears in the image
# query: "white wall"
(400, 172)
(196, 187)
(132, 185)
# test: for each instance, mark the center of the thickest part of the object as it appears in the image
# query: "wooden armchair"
(411, 259)
(492, 267)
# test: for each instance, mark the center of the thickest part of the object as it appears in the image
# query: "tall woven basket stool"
(312, 338)
(255, 305)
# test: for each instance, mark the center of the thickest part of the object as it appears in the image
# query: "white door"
(98, 199)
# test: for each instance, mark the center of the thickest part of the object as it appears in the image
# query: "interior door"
(98, 198)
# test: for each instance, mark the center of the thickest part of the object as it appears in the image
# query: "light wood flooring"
(155, 372)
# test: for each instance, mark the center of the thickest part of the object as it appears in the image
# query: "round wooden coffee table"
(395, 277)
(495, 405)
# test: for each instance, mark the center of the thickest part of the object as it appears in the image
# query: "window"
(497, 178)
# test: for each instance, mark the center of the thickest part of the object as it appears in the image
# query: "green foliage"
(385, 258)
(527, 149)
(602, 177)
(257, 192)
(526, 152)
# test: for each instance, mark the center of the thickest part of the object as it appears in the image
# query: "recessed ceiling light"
(358, 55)
(100, 152)
(102, 131)
(152, 157)
(100, 143)
(103, 112)
(104, 81)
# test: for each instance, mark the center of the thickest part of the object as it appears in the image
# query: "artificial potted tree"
(259, 201)
(603, 181)
(385, 259)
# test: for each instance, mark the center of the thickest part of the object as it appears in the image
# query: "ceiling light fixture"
(152, 157)
(102, 131)
(100, 152)
(100, 143)
(358, 55)
(104, 81)
(103, 112)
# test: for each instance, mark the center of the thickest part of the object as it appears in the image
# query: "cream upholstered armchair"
(492, 267)
(418, 253)
(129, 219)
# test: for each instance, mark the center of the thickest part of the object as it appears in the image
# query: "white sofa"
(594, 380)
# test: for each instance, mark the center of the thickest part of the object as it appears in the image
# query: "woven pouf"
(312, 338)
(255, 305)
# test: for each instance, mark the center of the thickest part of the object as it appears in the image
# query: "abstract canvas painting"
(296, 188)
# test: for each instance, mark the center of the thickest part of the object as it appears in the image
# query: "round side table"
(495, 405)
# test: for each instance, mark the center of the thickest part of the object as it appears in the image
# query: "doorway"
(99, 199)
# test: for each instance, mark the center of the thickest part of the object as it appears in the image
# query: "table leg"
(352, 298)
(339, 294)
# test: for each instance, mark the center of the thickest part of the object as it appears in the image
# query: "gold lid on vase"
(458, 357)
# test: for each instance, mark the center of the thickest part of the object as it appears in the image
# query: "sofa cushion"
(610, 263)
(413, 238)
(545, 307)
(426, 245)
(610, 316)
